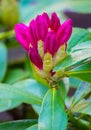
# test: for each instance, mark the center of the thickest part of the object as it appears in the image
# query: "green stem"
(78, 123)
(4, 35)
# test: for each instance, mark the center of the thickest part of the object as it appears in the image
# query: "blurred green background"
(14, 63)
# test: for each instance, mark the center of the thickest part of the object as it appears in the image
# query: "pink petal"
(21, 32)
(33, 37)
(35, 57)
(54, 22)
(45, 17)
(64, 32)
(41, 28)
(51, 43)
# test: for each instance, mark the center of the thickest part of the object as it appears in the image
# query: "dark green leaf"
(34, 127)
(52, 115)
(3, 60)
(17, 125)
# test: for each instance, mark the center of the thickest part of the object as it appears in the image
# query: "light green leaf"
(3, 60)
(74, 83)
(83, 90)
(64, 87)
(17, 125)
(28, 91)
(8, 92)
(52, 115)
(78, 36)
(7, 104)
(83, 106)
(73, 59)
(33, 87)
(33, 127)
(82, 72)
(18, 74)
(81, 46)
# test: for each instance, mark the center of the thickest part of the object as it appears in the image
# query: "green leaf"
(34, 87)
(83, 91)
(83, 106)
(73, 59)
(82, 72)
(29, 67)
(81, 46)
(18, 74)
(33, 127)
(8, 92)
(52, 115)
(74, 83)
(3, 60)
(78, 35)
(7, 104)
(17, 125)
(28, 91)
(64, 87)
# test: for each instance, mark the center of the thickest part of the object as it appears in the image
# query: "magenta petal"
(51, 43)
(21, 32)
(54, 22)
(64, 32)
(35, 57)
(33, 37)
(45, 17)
(41, 28)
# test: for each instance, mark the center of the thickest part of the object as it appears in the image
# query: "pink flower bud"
(54, 22)
(41, 28)
(51, 43)
(22, 35)
(64, 32)
(35, 57)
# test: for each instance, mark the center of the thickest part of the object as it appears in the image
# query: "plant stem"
(4, 35)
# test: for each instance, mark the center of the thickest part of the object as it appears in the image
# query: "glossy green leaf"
(83, 91)
(64, 87)
(83, 106)
(33, 127)
(82, 72)
(7, 104)
(34, 87)
(28, 91)
(52, 115)
(74, 83)
(73, 59)
(81, 46)
(18, 74)
(78, 36)
(8, 92)
(17, 125)
(3, 60)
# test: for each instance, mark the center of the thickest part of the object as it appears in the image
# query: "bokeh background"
(14, 63)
